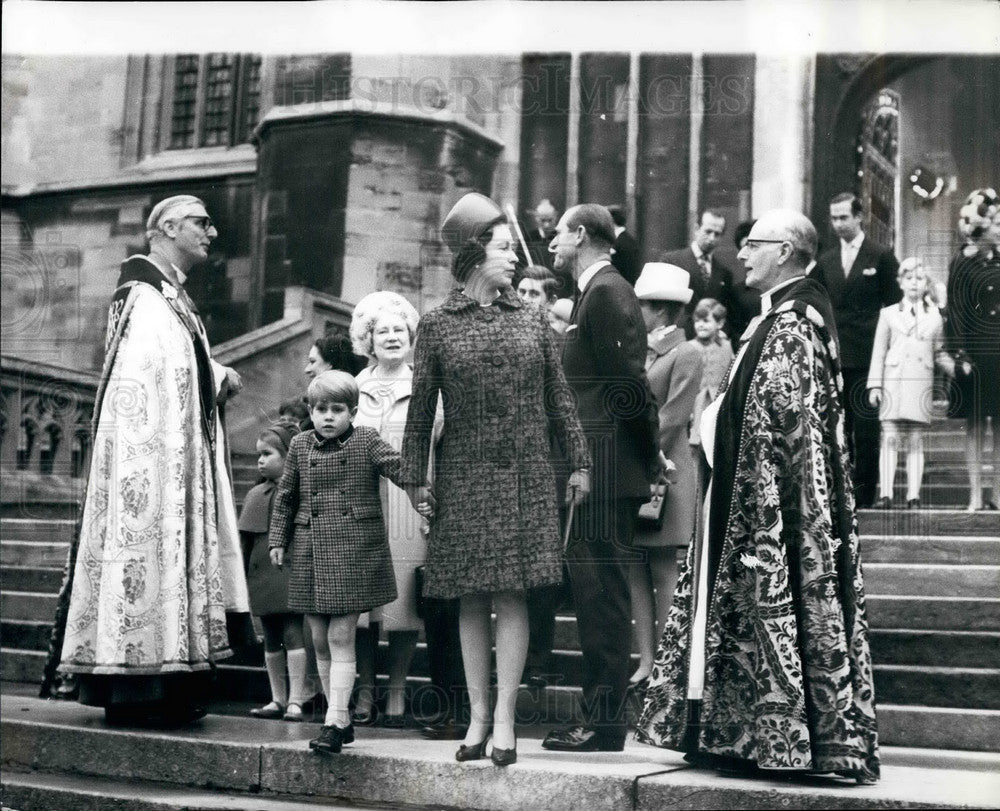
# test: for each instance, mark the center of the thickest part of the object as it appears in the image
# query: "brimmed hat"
(660, 281)
(468, 219)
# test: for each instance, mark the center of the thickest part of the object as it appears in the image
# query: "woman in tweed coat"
(496, 531)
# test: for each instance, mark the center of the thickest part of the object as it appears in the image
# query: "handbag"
(650, 515)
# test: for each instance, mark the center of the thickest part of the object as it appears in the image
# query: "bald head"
(780, 246)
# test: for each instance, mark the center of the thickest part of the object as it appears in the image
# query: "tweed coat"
(858, 297)
(328, 501)
(496, 526)
(716, 357)
(604, 360)
(674, 368)
(903, 360)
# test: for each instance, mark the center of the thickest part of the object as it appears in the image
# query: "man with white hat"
(159, 561)
(674, 368)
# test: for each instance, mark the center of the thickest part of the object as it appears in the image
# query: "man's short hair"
(713, 212)
(848, 197)
(169, 209)
(596, 221)
(333, 386)
(540, 273)
(802, 236)
(617, 215)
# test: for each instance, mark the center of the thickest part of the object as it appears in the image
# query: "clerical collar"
(181, 275)
(589, 274)
(765, 299)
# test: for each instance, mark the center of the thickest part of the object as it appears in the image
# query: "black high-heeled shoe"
(475, 752)
(504, 757)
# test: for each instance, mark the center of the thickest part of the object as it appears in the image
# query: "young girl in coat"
(716, 353)
(268, 586)
(328, 508)
(908, 342)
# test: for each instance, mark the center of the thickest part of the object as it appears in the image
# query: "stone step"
(938, 727)
(953, 687)
(923, 523)
(932, 580)
(37, 529)
(31, 578)
(896, 646)
(25, 634)
(31, 791)
(929, 549)
(934, 613)
(27, 605)
(23, 666)
(387, 767)
(43, 554)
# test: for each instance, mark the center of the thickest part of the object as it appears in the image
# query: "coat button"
(343, 461)
(343, 512)
(498, 360)
(315, 513)
(315, 492)
(313, 463)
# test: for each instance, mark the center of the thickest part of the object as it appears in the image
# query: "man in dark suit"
(710, 277)
(860, 277)
(604, 359)
(625, 251)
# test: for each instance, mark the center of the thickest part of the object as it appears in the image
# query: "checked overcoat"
(328, 509)
(496, 527)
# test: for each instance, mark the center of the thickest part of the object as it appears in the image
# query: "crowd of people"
(681, 444)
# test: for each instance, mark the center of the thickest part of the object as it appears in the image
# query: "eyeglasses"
(756, 243)
(204, 223)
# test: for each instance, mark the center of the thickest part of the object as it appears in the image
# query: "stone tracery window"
(215, 101)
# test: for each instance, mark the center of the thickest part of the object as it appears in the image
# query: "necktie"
(706, 267)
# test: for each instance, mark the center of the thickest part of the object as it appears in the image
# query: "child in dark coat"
(328, 503)
(268, 586)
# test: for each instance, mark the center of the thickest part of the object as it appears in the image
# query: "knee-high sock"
(341, 684)
(275, 664)
(323, 666)
(298, 691)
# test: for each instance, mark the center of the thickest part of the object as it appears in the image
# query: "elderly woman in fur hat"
(495, 533)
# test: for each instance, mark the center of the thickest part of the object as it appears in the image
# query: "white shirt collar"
(765, 299)
(589, 274)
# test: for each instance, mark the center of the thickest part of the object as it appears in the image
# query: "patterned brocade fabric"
(788, 673)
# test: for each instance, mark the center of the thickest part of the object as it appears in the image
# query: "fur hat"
(660, 281)
(469, 218)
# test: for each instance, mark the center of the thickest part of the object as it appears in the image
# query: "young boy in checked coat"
(327, 502)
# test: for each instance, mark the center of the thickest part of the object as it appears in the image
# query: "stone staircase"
(932, 578)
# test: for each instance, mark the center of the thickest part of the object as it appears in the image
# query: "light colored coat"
(674, 369)
(383, 405)
(903, 360)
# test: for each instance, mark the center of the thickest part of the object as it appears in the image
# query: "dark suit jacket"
(604, 360)
(858, 297)
(626, 257)
(719, 287)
